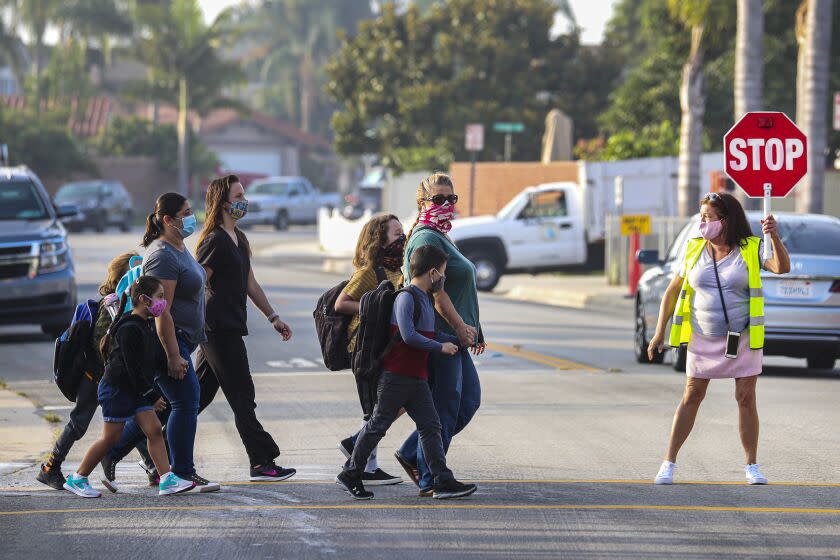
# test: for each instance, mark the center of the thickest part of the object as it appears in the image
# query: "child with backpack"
(403, 382)
(379, 257)
(127, 389)
(86, 397)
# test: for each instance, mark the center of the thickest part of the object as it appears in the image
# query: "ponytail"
(168, 204)
(153, 230)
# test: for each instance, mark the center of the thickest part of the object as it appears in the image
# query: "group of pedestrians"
(178, 302)
(144, 377)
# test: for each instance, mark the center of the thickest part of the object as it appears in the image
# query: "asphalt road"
(569, 434)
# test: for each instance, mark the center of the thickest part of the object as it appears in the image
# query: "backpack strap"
(381, 275)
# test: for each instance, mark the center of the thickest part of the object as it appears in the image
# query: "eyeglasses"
(713, 196)
(439, 199)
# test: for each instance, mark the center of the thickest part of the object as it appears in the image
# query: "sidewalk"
(24, 434)
(579, 291)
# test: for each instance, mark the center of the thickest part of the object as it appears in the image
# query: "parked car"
(801, 308)
(101, 204)
(283, 201)
(37, 277)
(367, 195)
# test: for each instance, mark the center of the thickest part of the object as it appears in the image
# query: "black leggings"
(223, 363)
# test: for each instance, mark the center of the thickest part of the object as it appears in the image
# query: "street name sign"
(509, 127)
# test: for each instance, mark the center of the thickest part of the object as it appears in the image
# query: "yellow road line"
(557, 507)
(544, 359)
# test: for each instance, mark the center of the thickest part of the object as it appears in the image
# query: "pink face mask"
(710, 230)
(438, 217)
(156, 307)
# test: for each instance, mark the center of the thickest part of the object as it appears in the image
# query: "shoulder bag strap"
(720, 291)
(381, 275)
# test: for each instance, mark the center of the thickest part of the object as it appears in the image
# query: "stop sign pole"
(766, 155)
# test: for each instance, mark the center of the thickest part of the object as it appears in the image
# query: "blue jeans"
(456, 392)
(180, 417)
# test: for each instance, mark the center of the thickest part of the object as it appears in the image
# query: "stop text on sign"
(775, 153)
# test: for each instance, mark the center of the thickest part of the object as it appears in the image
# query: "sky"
(592, 15)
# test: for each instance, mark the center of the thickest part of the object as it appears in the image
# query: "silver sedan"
(801, 308)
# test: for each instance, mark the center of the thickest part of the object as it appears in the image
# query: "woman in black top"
(225, 254)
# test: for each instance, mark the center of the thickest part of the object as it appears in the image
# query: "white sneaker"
(171, 483)
(80, 486)
(754, 475)
(666, 473)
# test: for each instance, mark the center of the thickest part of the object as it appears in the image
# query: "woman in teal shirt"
(455, 386)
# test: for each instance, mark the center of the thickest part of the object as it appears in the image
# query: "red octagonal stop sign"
(765, 148)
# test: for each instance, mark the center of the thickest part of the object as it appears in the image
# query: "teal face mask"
(189, 223)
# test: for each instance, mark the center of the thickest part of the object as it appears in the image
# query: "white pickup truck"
(283, 201)
(542, 228)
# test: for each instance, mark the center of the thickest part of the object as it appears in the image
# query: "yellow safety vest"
(681, 323)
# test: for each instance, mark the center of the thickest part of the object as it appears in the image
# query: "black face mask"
(392, 255)
(437, 285)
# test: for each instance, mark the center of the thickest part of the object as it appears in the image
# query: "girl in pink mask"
(127, 389)
(716, 302)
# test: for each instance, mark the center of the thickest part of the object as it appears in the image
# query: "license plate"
(795, 289)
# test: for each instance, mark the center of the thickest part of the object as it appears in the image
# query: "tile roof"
(93, 120)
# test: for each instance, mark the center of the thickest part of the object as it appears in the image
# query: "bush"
(43, 143)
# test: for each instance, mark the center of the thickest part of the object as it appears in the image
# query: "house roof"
(87, 123)
(221, 118)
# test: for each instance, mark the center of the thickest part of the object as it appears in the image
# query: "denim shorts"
(118, 404)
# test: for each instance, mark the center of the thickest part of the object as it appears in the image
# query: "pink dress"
(705, 359)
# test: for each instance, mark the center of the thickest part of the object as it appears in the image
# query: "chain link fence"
(663, 231)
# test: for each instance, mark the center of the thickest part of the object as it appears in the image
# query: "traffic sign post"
(766, 155)
(509, 128)
(474, 143)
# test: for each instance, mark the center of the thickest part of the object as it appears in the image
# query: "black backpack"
(72, 349)
(373, 339)
(331, 326)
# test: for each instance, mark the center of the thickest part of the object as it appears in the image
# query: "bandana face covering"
(392, 255)
(438, 217)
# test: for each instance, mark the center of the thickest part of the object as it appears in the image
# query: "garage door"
(254, 161)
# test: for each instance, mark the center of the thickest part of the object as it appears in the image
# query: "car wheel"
(487, 270)
(53, 331)
(100, 223)
(281, 221)
(821, 362)
(680, 356)
(125, 225)
(641, 341)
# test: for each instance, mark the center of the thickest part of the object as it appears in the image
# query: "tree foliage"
(408, 83)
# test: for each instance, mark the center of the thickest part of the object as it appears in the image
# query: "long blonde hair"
(372, 240)
(424, 191)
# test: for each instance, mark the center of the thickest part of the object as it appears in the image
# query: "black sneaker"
(353, 486)
(380, 478)
(202, 484)
(346, 447)
(154, 477)
(453, 489)
(51, 476)
(271, 473)
(109, 470)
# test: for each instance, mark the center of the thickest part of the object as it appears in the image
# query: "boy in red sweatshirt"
(404, 381)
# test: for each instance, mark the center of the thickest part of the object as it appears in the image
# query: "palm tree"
(185, 67)
(813, 32)
(749, 65)
(692, 13)
(96, 19)
(293, 40)
(12, 50)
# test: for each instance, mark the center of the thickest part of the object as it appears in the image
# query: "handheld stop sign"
(766, 155)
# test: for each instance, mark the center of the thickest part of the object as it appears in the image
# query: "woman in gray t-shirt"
(180, 327)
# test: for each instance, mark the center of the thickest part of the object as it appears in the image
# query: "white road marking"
(293, 363)
(58, 407)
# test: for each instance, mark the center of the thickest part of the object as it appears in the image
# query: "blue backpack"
(73, 349)
(135, 271)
